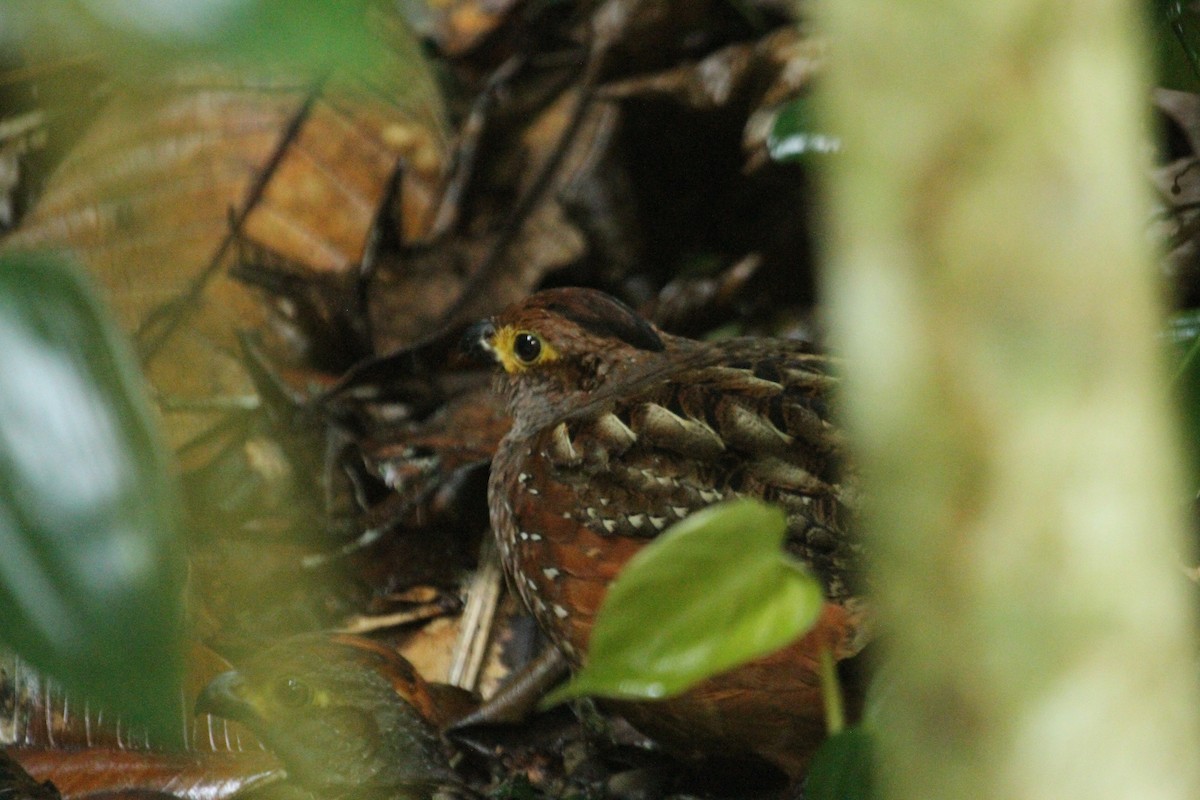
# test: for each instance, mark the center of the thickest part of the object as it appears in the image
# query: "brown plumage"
(621, 430)
(347, 716)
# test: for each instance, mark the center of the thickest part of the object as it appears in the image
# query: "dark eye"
(291, 693)
(527, 347)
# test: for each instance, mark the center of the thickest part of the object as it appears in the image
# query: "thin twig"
(483, 596)
(160, 324)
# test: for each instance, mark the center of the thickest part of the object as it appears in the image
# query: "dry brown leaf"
(36, 713)
(459, 26)
(17, 784)
(147, 197)
(187, 776)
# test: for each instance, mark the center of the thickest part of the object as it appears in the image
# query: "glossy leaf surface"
(714, 591)
(91, 573)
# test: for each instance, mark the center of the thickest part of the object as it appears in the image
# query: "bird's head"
(563, 344)
(341, 712)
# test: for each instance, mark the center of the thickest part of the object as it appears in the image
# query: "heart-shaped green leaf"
(714, 591)
(90, 567)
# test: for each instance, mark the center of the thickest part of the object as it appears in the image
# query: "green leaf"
(134, 35)
(714, 591)
(794, 136)
(841, 769)
(91, 572)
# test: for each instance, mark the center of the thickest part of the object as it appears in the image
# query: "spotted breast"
(621, 430)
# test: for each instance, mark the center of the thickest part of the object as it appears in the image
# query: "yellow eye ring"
(293, 693)
(527, 347)
(518, 349)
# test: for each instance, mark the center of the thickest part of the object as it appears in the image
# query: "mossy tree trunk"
(993, 290)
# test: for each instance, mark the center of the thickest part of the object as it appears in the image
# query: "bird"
(620, 430)
(346, 715)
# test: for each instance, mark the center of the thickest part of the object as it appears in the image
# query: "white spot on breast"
(609, 525)
(561, 612)
(551, 573)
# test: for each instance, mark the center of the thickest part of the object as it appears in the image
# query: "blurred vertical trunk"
(993, 291)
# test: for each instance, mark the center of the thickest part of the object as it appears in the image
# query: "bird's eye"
(527, 347)
(292, 693)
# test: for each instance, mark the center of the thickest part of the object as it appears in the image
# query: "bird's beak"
(225, 696)
(477, 342)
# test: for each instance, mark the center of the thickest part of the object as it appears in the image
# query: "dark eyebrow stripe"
(617, 320)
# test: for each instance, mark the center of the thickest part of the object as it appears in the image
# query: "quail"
(346, 716)
(619, 431)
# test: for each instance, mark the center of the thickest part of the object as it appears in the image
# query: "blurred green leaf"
(794, 135)
(714, 591)
(137, 34)
(1175, 35)
(91, 574)
(841, 769)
